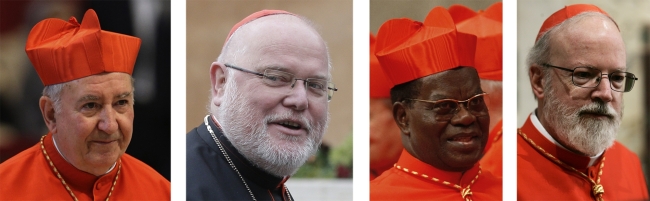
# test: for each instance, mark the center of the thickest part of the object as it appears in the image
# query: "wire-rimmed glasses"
(588, 77)
(277, 79)
(445, 109)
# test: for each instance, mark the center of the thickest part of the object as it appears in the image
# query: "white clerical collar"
(57, 149)
(540, 128)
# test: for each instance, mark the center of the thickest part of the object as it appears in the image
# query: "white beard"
(587, 135)
(252, 140)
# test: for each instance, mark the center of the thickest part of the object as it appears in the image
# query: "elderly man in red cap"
(577, 70)
(87, 105)
(268, 111)
(385, 145)
(439, 107)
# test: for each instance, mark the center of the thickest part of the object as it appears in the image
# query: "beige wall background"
(383, 10)
(631, 17)
(208, 24)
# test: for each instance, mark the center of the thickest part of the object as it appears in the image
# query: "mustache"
(598, 108)
(292, 116)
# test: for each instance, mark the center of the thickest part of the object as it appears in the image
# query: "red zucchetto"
(487, 26)
(566, 13)
(408, 50)
(379, 83)
(254, 16)
(64, 51)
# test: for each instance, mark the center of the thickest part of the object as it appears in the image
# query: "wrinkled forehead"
(589, 24)
(591, 40)
(281, 41)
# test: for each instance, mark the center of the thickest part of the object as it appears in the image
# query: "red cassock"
(412, 179)
(28, 176)
(539, 178)
(493, 158)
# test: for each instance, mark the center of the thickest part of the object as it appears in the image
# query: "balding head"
(270, 91)
(268, 30)
(540, 53)
(587, 34)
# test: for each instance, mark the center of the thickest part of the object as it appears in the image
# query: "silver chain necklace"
(232, 165)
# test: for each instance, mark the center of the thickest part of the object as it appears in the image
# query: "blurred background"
(634, 22)
(21, 122)
(383, 10)
(208, 24)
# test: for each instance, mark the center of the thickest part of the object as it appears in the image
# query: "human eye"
(122, 105)
(444, 107)
(90, 106)
(476, 101)
(584, 73)
(277, 78)
(476, 104)
(617, 77)
(317, 84)
(122, 102)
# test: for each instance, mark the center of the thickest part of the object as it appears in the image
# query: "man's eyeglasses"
(445, 109)
(278, 79)
(588, 77)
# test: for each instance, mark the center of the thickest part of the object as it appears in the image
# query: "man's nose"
(463, 116)
(107, 120)
(604, 90)
(297, 99)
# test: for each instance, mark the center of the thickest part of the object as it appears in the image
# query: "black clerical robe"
(210, 176)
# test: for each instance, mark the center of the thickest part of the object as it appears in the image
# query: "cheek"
(75, 124)
(318, 110)
(484, 123)
(428, 132)
(125, 123)
(618, 102)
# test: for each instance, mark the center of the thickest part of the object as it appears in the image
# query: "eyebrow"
(440, 96)
(124, 95)
(623, 69)
(89, 97)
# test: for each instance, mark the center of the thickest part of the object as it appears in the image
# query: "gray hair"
(540, 53)
(54, 92)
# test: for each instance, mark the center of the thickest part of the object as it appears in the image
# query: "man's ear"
(536, 81)
(47, 110)
(217, 82)
(400, 114)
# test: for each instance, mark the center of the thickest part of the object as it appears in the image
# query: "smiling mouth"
(462, 139)
(290, 125)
